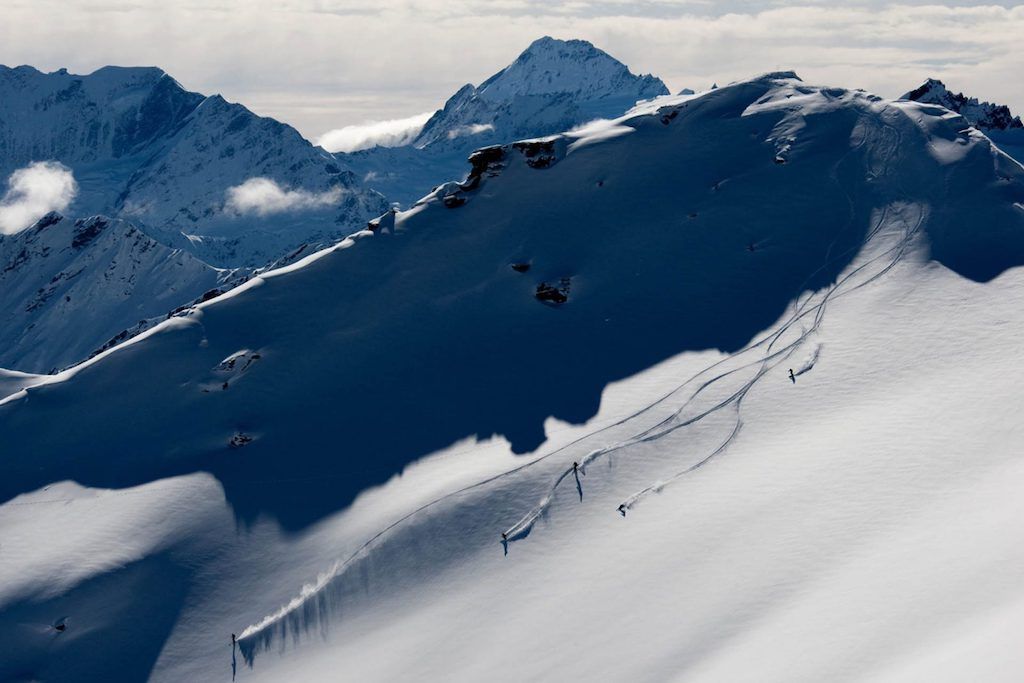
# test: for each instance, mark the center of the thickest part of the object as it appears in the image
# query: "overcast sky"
(323, 64)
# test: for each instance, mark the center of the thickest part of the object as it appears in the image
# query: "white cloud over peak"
(263, 196)
(390, 133)
(471, 129)
(34, 191)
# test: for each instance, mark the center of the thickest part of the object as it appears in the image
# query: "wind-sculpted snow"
(708, 245)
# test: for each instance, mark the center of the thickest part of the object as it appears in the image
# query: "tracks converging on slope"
(690, 403)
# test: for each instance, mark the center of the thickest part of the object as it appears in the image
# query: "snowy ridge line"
(105, 493)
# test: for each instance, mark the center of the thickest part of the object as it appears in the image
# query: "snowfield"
(585, 346)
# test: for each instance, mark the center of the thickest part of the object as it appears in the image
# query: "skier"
(234, 639)
(60, 627)
(575, 466)
(792, 377)
(504, 536)
(622, 509)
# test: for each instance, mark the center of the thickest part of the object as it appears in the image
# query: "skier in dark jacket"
(792, 377)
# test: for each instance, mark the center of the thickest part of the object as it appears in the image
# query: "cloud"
(471, 129)
(283, 58)
(391, 133)
(262, 196)
(34, 191)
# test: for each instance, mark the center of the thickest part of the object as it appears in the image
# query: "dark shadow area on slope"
(975, 221)
(375, 356)
(977, 241)
(493, 360)
(409, 343)
(114, 627)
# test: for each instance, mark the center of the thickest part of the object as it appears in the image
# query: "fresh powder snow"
(722, 389)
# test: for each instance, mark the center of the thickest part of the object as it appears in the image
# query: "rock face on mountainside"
(143, 148)
(552, 86)
(984, 115)
(67, 286)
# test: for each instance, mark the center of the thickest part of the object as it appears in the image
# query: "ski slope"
(323, 460)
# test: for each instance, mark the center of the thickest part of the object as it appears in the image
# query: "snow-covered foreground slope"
(858, 522)
(66, 287)
(552, 86)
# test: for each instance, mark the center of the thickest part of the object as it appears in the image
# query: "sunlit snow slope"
(631, 299)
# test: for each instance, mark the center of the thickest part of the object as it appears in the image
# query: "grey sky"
(322, 64)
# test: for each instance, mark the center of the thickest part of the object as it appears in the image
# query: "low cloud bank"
(263, 196)
(393, 133)
(34, 191)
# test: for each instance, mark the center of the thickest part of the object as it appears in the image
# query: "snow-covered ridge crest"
(983, 115)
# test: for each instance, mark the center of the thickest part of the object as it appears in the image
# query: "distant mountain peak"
(550, 65)
(552, 85)
(984, 115)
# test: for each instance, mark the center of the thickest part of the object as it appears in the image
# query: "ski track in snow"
(308, 607)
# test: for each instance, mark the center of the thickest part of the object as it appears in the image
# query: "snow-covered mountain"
(554, 85)
(983, 115)
(67, 286)
(731, 379)
(177, 163)
(995, 120)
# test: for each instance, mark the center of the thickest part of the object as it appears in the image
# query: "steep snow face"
(996, 120)
(67, 287)
(144, 149)
(983, 115)
(629, 298)
(552, 86)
